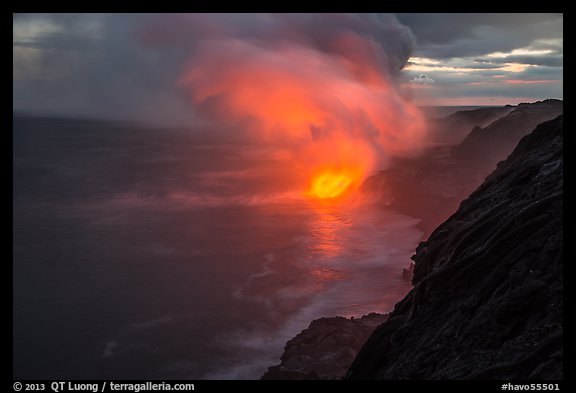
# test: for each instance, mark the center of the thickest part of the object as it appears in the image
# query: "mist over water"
(147, 253)
(143, 252)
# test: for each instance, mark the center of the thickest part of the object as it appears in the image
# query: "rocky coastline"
(487, 295)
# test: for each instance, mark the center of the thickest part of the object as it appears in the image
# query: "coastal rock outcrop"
(325, 349)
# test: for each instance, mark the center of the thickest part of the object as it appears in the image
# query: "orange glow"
(340, 120)
(328, 231)
(330, 185)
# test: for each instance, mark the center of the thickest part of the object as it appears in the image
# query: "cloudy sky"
(89, 64)
(485, 59)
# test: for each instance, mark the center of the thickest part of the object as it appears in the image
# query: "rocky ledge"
(325, 349)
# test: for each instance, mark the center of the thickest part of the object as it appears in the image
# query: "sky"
(486, 59)
(128, 66)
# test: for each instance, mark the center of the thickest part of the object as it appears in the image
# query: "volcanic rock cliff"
(487, 297)
(453, 128)
(484, 147)
(431, 186)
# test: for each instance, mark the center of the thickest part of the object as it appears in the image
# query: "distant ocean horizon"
(431, 111)
(441, 111)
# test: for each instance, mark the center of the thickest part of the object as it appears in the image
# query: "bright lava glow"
(330, 185)
(338, 114)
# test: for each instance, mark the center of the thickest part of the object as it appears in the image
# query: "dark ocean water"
(163, 253)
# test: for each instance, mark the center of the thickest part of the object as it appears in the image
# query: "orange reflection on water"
(328, 231)
(324, 274)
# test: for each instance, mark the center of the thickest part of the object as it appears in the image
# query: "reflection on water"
(327, 230)
(324, 274)
(348, 262)
(355, 250)
(134, 265)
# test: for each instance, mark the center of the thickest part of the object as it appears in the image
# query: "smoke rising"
(323, 87)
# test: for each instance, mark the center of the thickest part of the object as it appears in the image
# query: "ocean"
(150, 253)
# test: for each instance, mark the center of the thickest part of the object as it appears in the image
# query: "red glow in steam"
(338, 113)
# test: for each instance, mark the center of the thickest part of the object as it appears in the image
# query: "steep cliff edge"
(487, 297)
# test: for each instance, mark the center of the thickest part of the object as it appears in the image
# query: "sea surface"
(149, 253)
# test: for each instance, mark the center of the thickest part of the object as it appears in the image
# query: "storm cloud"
(444, 36)
(128, 65)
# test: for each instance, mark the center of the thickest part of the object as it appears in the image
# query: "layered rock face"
(487, 297)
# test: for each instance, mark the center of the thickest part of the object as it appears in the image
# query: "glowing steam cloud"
(322, 85)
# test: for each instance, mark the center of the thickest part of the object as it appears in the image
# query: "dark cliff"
(453, 129)
(487, 297)
(431, 186)
(484, 147)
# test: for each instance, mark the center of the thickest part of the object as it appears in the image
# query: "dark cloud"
(130, 64)
(473, 57)
(322, 32)
(94, 65)
(444, 36)
(444, 28)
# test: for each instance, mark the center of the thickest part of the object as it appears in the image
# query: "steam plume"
(324, 85)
